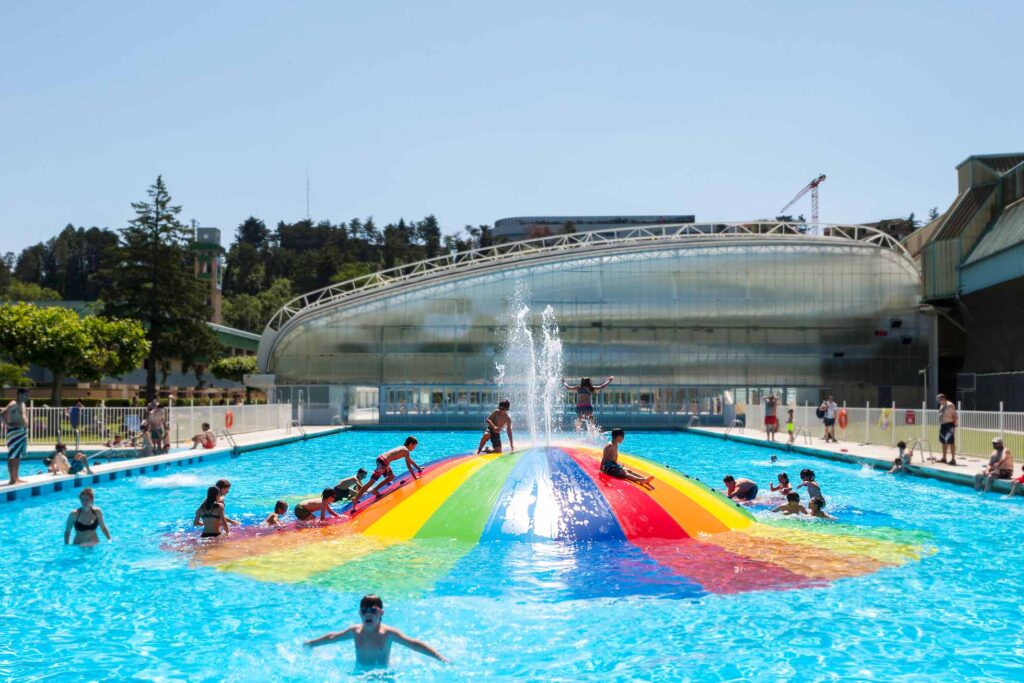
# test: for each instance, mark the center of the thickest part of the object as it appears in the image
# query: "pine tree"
(152, 280)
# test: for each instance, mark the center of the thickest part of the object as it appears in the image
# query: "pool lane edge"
(141, 466)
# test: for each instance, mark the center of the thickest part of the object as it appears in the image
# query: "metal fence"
(888, 425)
(100, 425)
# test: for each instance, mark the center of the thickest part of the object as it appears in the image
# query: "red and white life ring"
(843, 419)
(229, 419)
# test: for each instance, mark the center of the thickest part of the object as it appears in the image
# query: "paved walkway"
(37, 481)
(879, 457)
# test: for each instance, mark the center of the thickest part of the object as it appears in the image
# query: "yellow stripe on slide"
(294, 564)
(883, 551)
(720, 507)
(404, 520)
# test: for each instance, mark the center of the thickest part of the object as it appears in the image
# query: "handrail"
(735, 423)
(693, 418)
(510, 251)
(922, 442)
(297, 425)
(806, 433)
(336, 421)
(227, 435)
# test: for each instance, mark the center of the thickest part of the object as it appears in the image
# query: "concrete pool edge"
(961, 477)
(40, 485)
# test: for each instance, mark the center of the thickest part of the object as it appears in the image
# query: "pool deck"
(874, 455)
(36, 485)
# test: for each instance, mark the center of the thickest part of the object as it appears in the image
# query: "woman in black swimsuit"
(210, 515)
(85, 520)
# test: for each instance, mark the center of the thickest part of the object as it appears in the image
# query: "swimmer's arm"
(67, 528)
(197, 521)
(329, 511)
(347, 634)
(804, 510)
(103, 523)
(570, 388)
(410, 463)
(271, 519)
(416, 645)
(779, 509)
(224, 521)
(606, 383)
(228, 520)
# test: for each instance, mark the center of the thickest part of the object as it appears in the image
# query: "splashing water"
(530, 370)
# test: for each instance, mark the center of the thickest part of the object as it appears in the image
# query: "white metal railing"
(889, 425)
(98, 426)
(732, 425)
(582, 241)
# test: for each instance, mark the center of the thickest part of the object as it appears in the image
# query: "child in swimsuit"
(307, 508)
(210, 515)
(792, 506)
(610, 462)
(384, 471)
(784, 487)
(373, 639)
(274, 518)
(790, 427)
(815, 508)
(807, 480)
(496, 421)
(85, 520)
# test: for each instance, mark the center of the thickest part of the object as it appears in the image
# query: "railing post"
(892, 425)
(1001, 416)
(924, 417)
(867, 422)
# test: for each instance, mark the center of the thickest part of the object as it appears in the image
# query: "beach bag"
(820, 412)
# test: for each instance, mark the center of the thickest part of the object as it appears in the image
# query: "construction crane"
(811, 187)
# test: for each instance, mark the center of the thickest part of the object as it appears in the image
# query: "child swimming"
(814, 508)
(807, 480)
(373, 639)
(274, 518)
(792, 506)
(784, 486)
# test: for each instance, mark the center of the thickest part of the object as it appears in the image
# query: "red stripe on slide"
(637, 513)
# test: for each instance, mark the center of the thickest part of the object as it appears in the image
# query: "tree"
(13, 375)
(234, 369)
(248, 312)
(152, 279)
(933, 213)
(29, 291)
(68, 346)
(568, 228)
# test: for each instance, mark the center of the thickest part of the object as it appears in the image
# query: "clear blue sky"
(475, 111)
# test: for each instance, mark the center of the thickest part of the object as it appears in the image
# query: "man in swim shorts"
(1000, 466)
(205, 438)
(740, 489)
(15, 415)
(384, 471)
(496, 421)
(610, 462)
(948, 420)
(771, 420)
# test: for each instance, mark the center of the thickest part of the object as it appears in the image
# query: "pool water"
(138, 609)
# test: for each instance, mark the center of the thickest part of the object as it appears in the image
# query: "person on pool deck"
(1000, 466)
(85, 520)
(792, 506)
(807, 481)
(790, 426)
(58, 462)
(739, 489)
(948, 421)
(771, 420)
(384, 468)
(308, 508)
(372, 638)
(610, 462)
(784, 488)
(274, 518)
(205, 438)
(815, 508)
(156, 420)
(15, 416)
(585, 391)
(496, 421)
(224, 486)
(829, 411)
(1018, 481)
(211, 516)
(346, 488)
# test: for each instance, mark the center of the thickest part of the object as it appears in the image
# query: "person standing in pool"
(610, 462)
(740, 489)
(85, 520)
(808, 481)
(585, 391)
(384, 470)
(211, 516)
(496, 421)
(224, 486)
(15, 416)
(373, 639)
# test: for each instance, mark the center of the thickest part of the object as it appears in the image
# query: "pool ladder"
(735, 423)
(298, 426)
(227, 435)
(923, 443)
(806, 433)
(694, 420)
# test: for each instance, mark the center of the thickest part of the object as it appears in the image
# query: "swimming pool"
(136, 609)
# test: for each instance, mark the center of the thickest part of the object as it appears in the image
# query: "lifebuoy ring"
(842, 418)
(229, 419)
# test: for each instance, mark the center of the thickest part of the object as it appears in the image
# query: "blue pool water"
(134, 610)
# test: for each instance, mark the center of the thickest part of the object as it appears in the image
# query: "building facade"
(529, 227)
(683, 317)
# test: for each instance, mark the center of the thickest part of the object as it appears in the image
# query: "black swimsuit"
(86, 527)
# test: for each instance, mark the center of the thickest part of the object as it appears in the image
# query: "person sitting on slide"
(384, 470)
(584, 396)
(205, 438)
(610, 462)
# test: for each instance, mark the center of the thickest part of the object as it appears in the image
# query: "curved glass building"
(678, 313)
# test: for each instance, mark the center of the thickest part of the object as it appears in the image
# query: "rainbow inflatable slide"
(547, 523)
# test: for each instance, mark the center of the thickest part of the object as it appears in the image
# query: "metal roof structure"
(559, 247)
